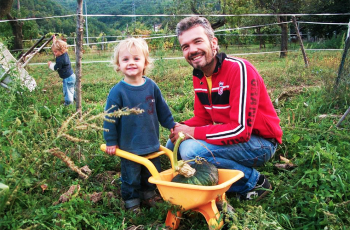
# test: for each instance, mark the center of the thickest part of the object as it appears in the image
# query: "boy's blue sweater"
(138, 134)
(63, 66)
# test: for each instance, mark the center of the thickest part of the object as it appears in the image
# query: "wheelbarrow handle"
(144, 160)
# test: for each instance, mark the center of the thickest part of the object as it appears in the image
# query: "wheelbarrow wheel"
(226, 208)
(228, 213)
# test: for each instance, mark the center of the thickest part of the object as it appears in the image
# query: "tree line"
(15, 32)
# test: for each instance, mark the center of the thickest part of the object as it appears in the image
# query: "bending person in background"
(233, 114)
(64, 69)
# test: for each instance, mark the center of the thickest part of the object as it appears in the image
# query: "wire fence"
(228, 37)
(178, 15)
(106, 39)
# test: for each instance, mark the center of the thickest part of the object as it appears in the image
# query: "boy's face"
(198, 51)
(57, 53)
(131, 64)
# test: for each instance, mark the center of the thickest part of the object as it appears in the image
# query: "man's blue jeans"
(242, 156)
(135, 185)
(69, 89)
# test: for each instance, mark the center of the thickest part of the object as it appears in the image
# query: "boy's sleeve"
(110, 133)
(163, 111)
(58, 64)
(61, 61)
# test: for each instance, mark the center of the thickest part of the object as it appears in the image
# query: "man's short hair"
(190, 22)
(187, 23)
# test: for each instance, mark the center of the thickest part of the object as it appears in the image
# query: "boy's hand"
(176, 125)
(174, 135)
(110, 150)
(49, 63)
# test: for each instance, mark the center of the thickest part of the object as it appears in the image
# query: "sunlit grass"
(313, 195)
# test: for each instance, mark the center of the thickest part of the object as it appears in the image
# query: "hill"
(96, 25)
(123, 7)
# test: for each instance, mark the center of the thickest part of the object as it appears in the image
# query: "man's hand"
(174, 135)
(110, 150)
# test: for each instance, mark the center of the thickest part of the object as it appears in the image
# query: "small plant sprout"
(4, 188)
(4, 193)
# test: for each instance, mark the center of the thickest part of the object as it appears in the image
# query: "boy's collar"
(220, 57)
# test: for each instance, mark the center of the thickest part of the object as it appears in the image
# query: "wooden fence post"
(300, 41)
(79, 54)
(345, 53)
(343, 117)
(341, 68)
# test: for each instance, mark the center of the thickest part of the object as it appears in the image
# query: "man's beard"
(208, 60)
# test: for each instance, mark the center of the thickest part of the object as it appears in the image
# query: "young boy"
(138, 134)
(64, 69)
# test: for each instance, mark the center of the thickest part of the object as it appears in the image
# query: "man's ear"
(214, 43)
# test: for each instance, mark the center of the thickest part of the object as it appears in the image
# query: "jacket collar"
(221, 57)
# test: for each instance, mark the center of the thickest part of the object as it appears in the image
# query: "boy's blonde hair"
(60, 46)
(139, 44)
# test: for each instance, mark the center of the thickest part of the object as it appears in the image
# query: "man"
(233, 114)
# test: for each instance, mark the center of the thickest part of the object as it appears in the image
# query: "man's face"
(198, 51)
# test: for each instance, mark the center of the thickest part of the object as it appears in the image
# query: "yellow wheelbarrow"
(197, 198)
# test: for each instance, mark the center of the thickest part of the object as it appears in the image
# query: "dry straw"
(86, 122)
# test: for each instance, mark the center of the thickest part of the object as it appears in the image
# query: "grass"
(313, 195)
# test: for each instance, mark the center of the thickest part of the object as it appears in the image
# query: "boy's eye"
(125, 59)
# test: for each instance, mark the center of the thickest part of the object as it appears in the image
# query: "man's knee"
(188, 151)
(169, 145)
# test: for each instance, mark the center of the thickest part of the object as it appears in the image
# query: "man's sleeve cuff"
(200, 133)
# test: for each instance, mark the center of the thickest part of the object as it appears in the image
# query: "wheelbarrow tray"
(190, 196)
(195, 197)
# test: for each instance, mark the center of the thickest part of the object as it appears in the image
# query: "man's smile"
(196, 56)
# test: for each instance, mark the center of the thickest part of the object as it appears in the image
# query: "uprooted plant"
(71, 125)
(86, 122)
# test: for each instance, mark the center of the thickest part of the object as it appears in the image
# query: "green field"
(36, 128)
